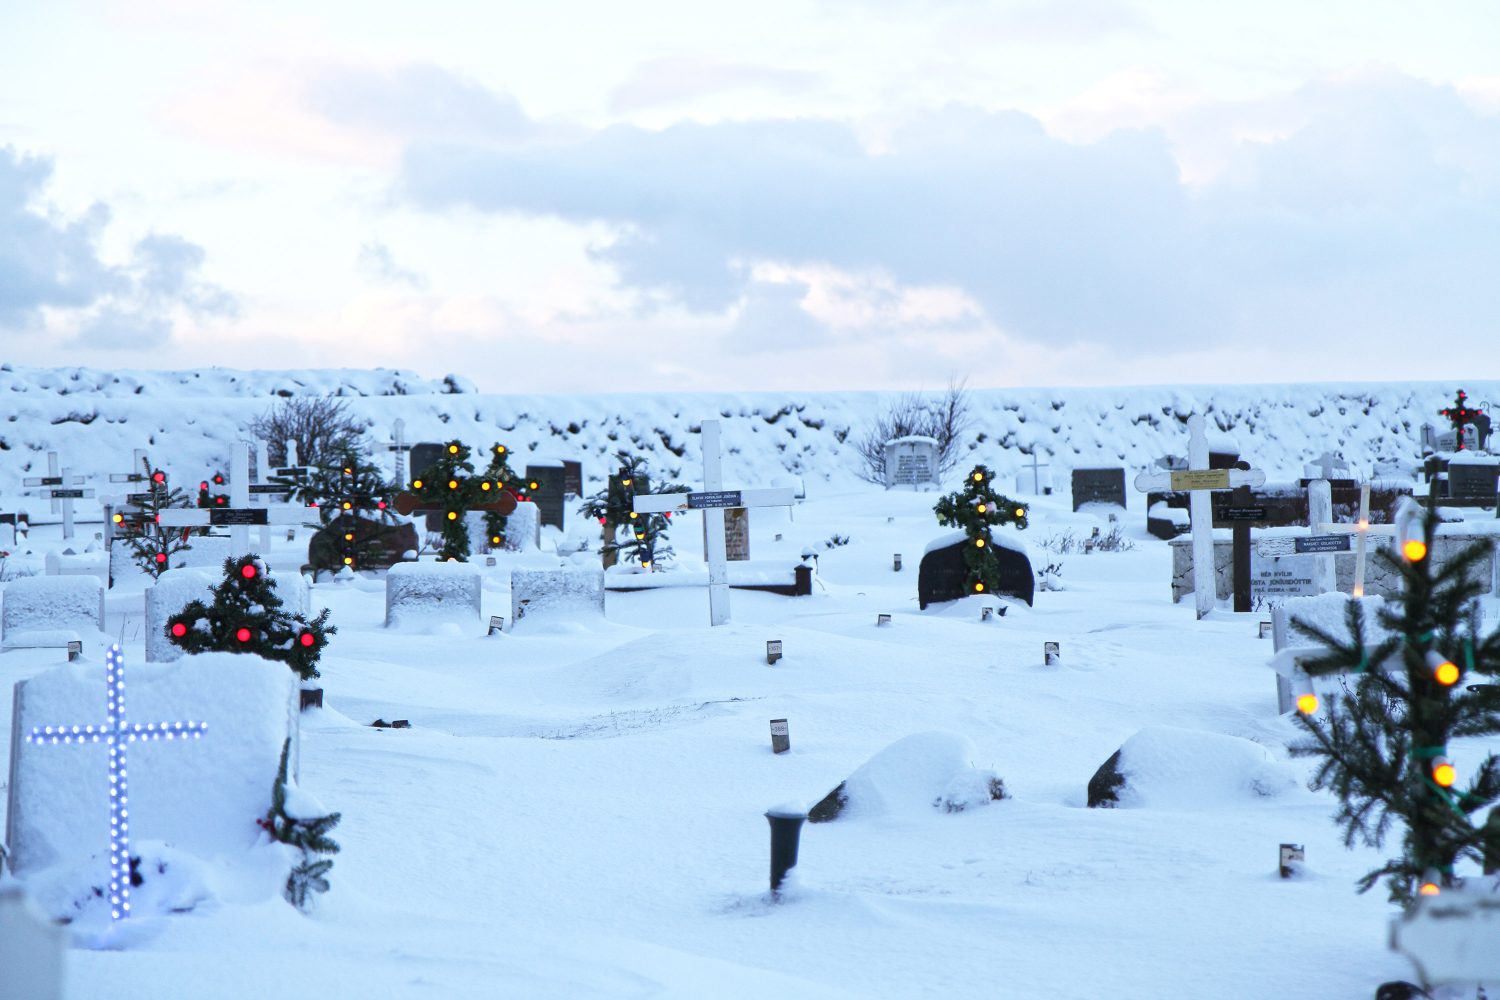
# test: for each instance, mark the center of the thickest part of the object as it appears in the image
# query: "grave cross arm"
(661, 503)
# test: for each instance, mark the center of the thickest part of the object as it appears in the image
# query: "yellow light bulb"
(494, 539)
(453, 515)
(978, 477)
(1429, 889)
(500, 449)
(1307, 704)
(348, 505)
(981, 508)
(978, 588)
(1020, 511)
(453, 484)
(979, 542)
(348, 538)
(1414, 549)
(1446, 672)
(416, 484)
(118, 519)
(348, 560)
(625, 482)
(632, 515)
(485, 486)
(1444, 773)
(533, 486)
(453, 449)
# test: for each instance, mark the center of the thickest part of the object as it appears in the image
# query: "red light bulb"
(248, 571)
(161, 557)
(243, 635)
(179, 629)
(307, 639)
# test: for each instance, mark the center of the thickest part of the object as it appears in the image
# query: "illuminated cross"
(119, 734)
(1460, 414)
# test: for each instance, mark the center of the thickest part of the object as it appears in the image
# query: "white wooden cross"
(400, 447)
(713, 502)
(119, 734)
(1328, 465)
(1199, 480)
(239, 515)
(61, 487)
(1036, 478)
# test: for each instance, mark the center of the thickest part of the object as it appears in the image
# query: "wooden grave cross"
(1036, 470)
(713, 501)
(61, 488)
(399, 447)
(118, 734)
(1199, 480)
(1241, 514)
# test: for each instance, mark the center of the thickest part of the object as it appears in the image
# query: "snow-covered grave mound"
(202, 796)
(1164, 767)
(916, 774)
(51, 610)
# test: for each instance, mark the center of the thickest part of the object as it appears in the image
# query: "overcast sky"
(558, 197)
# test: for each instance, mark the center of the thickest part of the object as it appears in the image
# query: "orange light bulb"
(1307, 704)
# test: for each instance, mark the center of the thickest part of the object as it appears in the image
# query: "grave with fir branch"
(247, 616)
(152, 546)
(1384, 749)
(628, 535)
(977, 509)
(293, 820)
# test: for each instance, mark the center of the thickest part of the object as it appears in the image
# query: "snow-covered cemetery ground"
(576, 806)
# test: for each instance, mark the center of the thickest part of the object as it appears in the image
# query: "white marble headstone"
(911, 461)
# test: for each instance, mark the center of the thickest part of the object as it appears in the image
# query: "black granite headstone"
(385, 544)
(573, 478)
(943, 575)
(1475, 480)
(1098, 486)
(548, 495)
(424, 456)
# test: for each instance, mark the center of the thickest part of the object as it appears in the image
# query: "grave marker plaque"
(781, 740)
(911, 461)
(572, 478)
(1098, 486)
(1476, 480)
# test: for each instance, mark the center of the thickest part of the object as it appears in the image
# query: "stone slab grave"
(44, 611)
(174, 590)
(911, 461)
(915, 775)
(427, 594)
(1474, 477)
(537, 595)
(391, 543)
(1099, 486)
(523, 528)
(736, 534)
(551, 479)
(943, 576)
(201, 799)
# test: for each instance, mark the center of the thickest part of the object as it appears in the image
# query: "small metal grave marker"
(986, 613)
(291, 534)
(489, 560)
(1244, 513)
(882, 619)
(715, 498)
(1322, 543)
(1292, 856)
(773, 651)
(75, 650)
(1052, 652)
(896, 563)
(1265, 629)
(497, 624)
(781, 740)
(310, 698)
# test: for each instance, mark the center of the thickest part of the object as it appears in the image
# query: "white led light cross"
(119, 734)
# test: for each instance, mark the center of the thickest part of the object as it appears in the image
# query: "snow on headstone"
(523, 529)
(291, 587)
(204, 802)
(537, 594)
(34, 610)
(174, 590)
(419, 594)
(1171, 768)
(208, 551)
(913, 775)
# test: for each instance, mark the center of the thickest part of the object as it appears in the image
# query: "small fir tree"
(351, 501)
(210, 493)
(1383, 749)
(309, 834)
(450, 485)
(246, 616)
(976, 509)
(152, 546)
(503, 477)
(638, 538)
